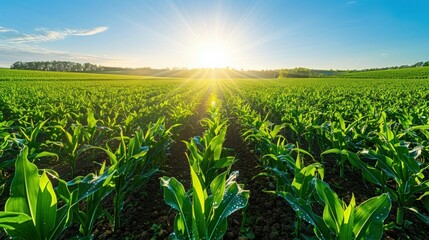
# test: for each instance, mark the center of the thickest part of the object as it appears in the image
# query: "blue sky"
(261, 34)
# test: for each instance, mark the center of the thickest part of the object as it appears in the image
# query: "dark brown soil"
(267, 216)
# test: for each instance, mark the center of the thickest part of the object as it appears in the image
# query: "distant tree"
(418, 64)
(60, 66)
(296, 73)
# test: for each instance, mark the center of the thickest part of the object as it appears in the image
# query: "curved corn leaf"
(304, 211)
(333, 211)
(18, 225)
(24, 188)
(346, 229)
(234, 199)
(46, 207)
(302, 181)
(198, 207)
(370, 216)
(176, 197)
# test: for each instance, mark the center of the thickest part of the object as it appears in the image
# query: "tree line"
(60, 66)
(67, 66)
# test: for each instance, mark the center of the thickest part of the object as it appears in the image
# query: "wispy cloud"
(46, 35)
(351, 2)
(25, 46)
(5, 30)
(25, 52)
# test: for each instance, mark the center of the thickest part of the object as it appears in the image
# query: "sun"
(213, 55)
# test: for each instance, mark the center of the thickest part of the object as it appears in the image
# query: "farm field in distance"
(108, 156)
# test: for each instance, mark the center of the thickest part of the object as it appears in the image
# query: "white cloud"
(20, 46)
(351, 2)
(24, 52)
(46, 35)
(89, 32)
(5, 30)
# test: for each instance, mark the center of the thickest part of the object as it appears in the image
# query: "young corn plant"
(340, 221)
(206, 155)
(341, 136)
(266, 136)
(158, 138)
(87, 214)
(6, 154)
(401, 167)
(125, 160)
(72, 146)
(135, 161)
(202, 214)
(299, 187)
(32, 211)
(34, 144)
(93, 134)
(209, 161)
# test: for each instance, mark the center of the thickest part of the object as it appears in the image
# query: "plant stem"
(400, 216)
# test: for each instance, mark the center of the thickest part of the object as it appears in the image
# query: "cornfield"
(100, 156)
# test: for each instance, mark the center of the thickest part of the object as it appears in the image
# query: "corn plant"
(72, 147)
(92, 133)
(340, 221)
(31, 211)
(91, 189)
(125, 161)
(206, 155)
(264, 134)
(203, 214)
(34, 144)
(342, 136)
(5, 149)
(402, 168)
(158, 137)
(135, 161)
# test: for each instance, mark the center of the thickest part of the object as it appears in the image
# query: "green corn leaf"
(334, 150)
(18, 225)
(199, 197)
(346, 229)
(217, 187)
(224, 162)
(419, 214)
(234, 199)
(370, 216)
(45, 154)
(276, 130)
(216, 145)
(369, 173)
(176, 197)
(24, 188)
(302, 181)
(304, 211)
(46, 207)
(383, 162)
(333, 211)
